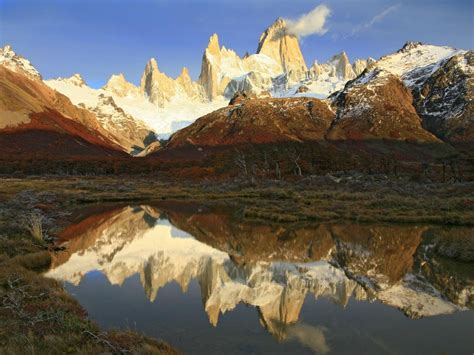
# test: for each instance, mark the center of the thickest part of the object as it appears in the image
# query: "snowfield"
(178, 113)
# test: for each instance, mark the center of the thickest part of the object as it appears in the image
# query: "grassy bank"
(360, 198)
(37, 316)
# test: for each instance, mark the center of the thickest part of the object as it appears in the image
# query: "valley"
(166, 189)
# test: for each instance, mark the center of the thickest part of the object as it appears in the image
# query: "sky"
(98, 38)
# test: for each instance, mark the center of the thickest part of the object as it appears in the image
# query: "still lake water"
(207, 282)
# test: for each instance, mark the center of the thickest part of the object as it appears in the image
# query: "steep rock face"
(375, 107)
(208, 76)
(36, 120)
(343, 66)
(119, 86)
(223, 71)
(161, 89)
(445, 101)
(359, 65)
(338, 66)
(259, 121)
(9, 59)
(283, 48)
(192, 89)
(156, 85)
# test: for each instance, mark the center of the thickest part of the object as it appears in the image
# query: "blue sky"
(100, 37)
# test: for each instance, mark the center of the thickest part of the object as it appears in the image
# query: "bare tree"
(295, 157)
(277, 170)
(241, 162)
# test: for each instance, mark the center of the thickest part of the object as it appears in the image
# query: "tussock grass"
(34, 224)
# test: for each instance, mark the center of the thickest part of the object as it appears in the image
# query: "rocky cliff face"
(277, 69)
(259, 121)
(208, 77)
(438, 82)
(190, 88)
(157, 86)
(379, 109)
(445, 100)
(161, 89)
(277, 44)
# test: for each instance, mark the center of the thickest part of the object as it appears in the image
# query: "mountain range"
(419, 94)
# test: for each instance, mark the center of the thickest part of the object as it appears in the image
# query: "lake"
(207, 281)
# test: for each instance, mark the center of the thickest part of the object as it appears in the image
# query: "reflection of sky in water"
(144, 272)
(179, 318)
(175, 232)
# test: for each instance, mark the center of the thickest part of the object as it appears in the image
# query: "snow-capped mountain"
(136, 106)
(16, 63)
(277, 69)
(167, 104)
(127, 131)
(439, 80)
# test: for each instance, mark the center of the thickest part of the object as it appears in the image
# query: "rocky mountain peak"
(213, 46)
(157, 86)
(276, 43)
(209, 68)
(115, 80)
(151, 66)
(184, 75)
(18, 64)
(118, 85)
(343, 66)
(409, 46)
(77, 80)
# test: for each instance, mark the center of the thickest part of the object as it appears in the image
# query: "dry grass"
(37, 316)
(361, 199)
(34, 224)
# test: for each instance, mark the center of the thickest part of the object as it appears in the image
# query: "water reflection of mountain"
(273, 268)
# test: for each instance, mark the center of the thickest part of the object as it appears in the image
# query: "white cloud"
(377, 18)
(310, 23)
(310, 336)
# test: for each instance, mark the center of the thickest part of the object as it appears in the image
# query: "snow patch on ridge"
(18, 64)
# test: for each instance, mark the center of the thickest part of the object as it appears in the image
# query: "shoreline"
(39, 315)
